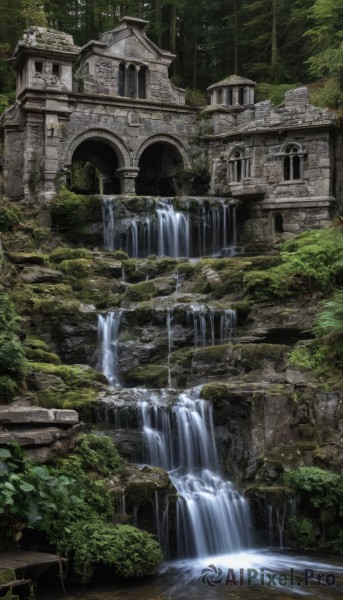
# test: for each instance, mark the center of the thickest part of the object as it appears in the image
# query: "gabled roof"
(232, 80)
(134, 26)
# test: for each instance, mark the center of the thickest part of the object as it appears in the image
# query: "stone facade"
(121, 113)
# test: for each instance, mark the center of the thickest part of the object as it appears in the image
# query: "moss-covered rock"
(74, 376)
(150, 376)
(64, 253)
(33, 258)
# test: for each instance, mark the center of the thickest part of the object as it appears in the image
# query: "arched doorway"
(93, 168)
(160, 167)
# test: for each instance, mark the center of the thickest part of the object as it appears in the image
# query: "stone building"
(119, 112)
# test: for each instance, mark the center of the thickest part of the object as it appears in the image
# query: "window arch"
(239, 165)
(142, 82)
(121, 80)
(292, 155)
(278, 223)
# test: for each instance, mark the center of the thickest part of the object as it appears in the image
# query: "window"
(121, 80)
(142, 82)
(131, 82)
(219, 96)
(293, 157)
(56, 70)
(237, 166)
(230, 97)
(38, 67)
(241, 96)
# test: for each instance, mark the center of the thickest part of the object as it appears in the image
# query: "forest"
(270, 41)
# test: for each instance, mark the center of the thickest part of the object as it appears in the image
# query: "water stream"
(166, 231)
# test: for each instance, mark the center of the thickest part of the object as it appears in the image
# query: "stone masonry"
(121, 113)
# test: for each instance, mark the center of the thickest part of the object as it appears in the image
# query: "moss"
(264, 285)
(83, 400)
(10, 215)
(120, 255)
(142, 491)
(139, 292)
(76, 268)
(38, 355)
(255, 353)
(70, 210)
(276, 494)
(73, 376)
(6, 576)
(65, 254)
(150, 376)
(182, 357)
(214, 392)
(56, 307)
(34, 258)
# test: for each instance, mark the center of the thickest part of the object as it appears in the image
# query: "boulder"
(39, 274)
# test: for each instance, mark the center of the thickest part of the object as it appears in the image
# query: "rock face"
(41, 432)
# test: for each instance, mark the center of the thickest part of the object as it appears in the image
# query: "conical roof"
(232, 80)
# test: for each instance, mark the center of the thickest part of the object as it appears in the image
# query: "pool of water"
(256, 575)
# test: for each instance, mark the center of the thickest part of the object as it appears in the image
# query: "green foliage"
(195, 97)
(321, 488)
(329, 95)
(97, 453)
(8, 387)
(310, 262)
(9, 216)
(29, 495)
(12, 354)
(329, 328)
(273, 91)
(303, 531)
(32, 13)
(131, 552)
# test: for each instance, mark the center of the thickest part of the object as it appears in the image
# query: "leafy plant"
(29, 495)
(303, 531)
(321, 488)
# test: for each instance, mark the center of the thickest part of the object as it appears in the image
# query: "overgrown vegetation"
(72, 503)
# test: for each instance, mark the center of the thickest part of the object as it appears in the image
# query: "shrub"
(130, 551)
(97, 453)
(322, 488)
(303, 531)
(9, 216)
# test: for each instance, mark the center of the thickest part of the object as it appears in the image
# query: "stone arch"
(102, 135)
(161, 161)
(164, 139)
(95, 159)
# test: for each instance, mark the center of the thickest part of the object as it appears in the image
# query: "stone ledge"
(34, 414)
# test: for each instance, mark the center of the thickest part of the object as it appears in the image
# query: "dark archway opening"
(160, 169)
(93, 171)
(278, 223)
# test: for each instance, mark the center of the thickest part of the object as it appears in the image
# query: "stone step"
(35, 414)
(36, 437)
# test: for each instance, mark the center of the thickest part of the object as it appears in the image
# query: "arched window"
(131, 82)
(142, 82)
(278, 223)
(293, 157)
(237, 166)
(121, 80)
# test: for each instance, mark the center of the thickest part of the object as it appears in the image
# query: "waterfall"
(108, 332)
(211, 326)
(170, 232)
(212, 517)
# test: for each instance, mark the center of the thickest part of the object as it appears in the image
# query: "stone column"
(226, 97)
(246, 99)
(235, 97)
(128, 177)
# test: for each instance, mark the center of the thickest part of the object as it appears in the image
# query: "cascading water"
(211, 326)
(170, 232)
(108, 331)
(212, 517)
